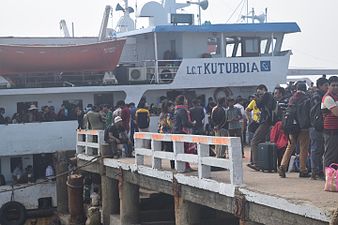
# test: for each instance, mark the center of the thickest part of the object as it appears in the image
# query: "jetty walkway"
(253, 197)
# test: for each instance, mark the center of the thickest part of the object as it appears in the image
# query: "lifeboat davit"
(100, 56)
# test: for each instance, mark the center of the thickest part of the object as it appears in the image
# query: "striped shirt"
(330, 101)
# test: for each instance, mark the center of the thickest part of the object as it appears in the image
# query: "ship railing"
(150, 145)
(90, 142)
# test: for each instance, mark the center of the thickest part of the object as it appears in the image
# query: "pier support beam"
(61, 186)
(186, 213)
(110, 198)
(129, 203)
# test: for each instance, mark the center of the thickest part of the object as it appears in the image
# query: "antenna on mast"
(260, 18)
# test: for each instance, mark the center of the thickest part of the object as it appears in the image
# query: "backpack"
(290, 124)
(278, 136)
(218, 116)
(303, 106)
(316, 116)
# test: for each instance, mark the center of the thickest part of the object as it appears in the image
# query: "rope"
(93, 160)
(234, 11)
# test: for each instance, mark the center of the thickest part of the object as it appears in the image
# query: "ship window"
(229, 49)
(266, 47)
(250, 47)
(213, 45)
(16, 161)
(70, 105)
(40, 163)
(233, 47)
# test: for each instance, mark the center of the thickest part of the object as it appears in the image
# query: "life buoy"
(13, 213)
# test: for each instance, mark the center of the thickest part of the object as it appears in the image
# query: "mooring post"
(61, 187)
(186, 213)
(129, 203)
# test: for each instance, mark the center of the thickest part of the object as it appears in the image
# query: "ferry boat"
(171, 57)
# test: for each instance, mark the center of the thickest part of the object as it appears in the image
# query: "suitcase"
(267, 157)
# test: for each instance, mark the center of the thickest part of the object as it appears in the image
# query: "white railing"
(202, 158)
(148, 147)
(89, 142)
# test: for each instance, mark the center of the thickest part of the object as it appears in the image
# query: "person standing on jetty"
(183, 125)
(330, 105)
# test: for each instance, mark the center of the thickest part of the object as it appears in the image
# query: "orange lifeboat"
(100, 56)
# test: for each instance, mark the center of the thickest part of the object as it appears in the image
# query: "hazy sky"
(315, 46)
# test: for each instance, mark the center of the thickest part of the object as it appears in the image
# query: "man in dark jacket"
(265, 104)
(197, 114)
(316, 136)
(302, 137)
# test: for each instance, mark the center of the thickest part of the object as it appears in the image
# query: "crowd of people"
(32, 114)
(304, 121)
(298, 119)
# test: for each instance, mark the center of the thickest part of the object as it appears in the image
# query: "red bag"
(278, 136)
(331, 180)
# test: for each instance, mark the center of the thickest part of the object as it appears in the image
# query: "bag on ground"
(331, 178)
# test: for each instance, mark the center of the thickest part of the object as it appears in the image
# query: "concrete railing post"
(139, 158)
(179, 149)
(203, 151)
(156, 162)
(235, 156)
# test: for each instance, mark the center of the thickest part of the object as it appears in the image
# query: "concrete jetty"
(253, 197)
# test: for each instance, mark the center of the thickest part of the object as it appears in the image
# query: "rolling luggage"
(267, 157)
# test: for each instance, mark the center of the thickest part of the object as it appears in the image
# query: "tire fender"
(13, 206)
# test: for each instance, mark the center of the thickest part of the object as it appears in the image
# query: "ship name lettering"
(223, 68)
